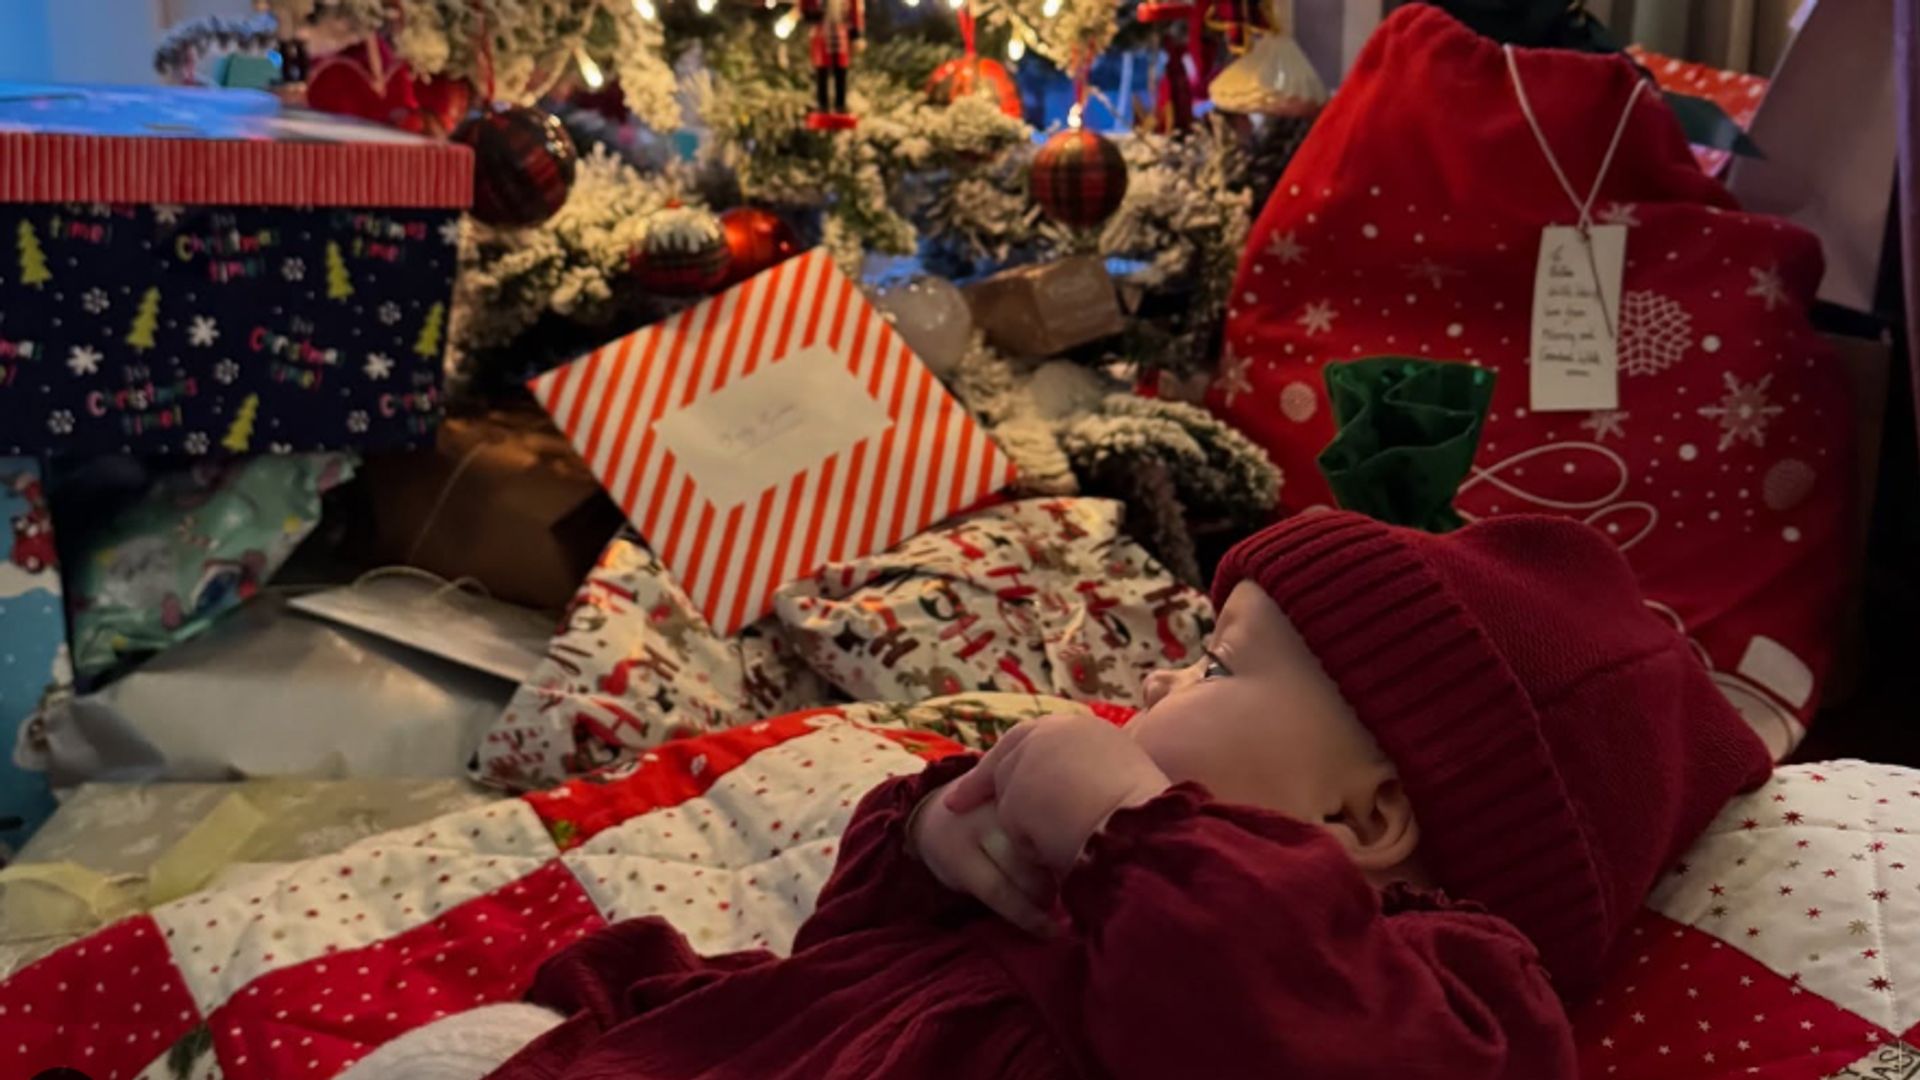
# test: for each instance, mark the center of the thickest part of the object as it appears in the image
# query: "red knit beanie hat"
(1560, 744)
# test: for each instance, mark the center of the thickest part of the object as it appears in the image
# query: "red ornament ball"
(523, 162)
(965, 75)
(683, 253)
(756, 241)
(1078, 178)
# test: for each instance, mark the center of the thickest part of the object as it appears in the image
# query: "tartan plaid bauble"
(523, 164)
(1079, 178)
(683, 253)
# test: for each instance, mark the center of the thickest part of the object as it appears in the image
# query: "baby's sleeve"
(876, 881)
(1224, 941)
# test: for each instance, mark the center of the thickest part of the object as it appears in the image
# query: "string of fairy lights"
(783, 28)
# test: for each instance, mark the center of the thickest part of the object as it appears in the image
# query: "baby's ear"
(1377, 826)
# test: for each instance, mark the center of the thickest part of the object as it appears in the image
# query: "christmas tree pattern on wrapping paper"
(33, 261)
(240, 435)
(140, 335)
(428, 345)
(339, 283)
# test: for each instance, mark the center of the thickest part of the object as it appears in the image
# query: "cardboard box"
(1047, 308)
(199, 272)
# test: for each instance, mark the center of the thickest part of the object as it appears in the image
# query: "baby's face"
(1258, 722)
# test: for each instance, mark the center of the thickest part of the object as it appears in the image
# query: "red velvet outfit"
(1207, 941)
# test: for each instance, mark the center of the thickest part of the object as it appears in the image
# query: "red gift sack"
(1410, 223)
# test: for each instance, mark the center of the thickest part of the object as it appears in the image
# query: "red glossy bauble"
(683, 253)
(965, 75)
(757, 240)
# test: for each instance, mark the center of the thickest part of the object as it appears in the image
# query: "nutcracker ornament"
(835, 28)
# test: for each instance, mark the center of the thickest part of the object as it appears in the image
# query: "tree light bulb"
(1016, 48)
(706, 6)
(646, 10)
(956, 4)
(589, 71)
(783, 29)
(1050, 8)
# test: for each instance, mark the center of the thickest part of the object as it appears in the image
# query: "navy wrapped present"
(202, 272)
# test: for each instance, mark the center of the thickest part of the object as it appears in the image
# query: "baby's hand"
(970, 853)
(1053, 783)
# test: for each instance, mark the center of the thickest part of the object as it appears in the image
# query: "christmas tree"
(33, 261)
(240, 433)
(140, 335)
(428, 344)
(339, 285)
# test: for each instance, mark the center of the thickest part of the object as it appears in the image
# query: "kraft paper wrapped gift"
(199, 272)
(502, 499)
(1047, 308)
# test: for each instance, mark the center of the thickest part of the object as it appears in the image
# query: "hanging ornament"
(1273, 77)
(1078, 177)
(969, 73)
(682, 253)
(835, 27)
(523, 163)
(756, 240)
(933, 317)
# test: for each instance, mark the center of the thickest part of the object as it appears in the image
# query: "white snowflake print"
(84, 360)
(95, 301)
(1318, 317)
(60, 422)
(203, 332)
(378, 366)
(1233, 375)
(196, 442)
(225, 372)
(450, 231)
(389, 313)
(293, 268)
(1767, 286)
(1620, 213)
(1432, 272)
(1655, 333)
(1605, 422)
(1743, 413)
(357, 421)
(167, 213)
(1285, 248)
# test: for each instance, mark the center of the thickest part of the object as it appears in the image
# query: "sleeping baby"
(1400, 812)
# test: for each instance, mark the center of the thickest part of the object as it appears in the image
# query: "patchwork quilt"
(1775, 949)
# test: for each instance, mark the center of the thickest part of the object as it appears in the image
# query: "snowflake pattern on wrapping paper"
(389, 313)
(60, 422)
(225, 372)
(293, 268)
(84, 360)
(1233, 375)
(1655, 333)
(357, 421)
(1744, 412)
(95, 301)
(196, 442)
(204, 331)
(378, 366)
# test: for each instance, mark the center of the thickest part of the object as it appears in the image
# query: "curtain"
(1740, 35)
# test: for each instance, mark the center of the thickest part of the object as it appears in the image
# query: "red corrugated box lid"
(134, 144)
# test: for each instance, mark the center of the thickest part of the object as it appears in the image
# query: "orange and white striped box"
(770, 430)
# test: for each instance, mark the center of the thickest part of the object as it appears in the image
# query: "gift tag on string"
(1576, 318)
(1574, 361)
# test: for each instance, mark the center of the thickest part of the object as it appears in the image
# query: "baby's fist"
(1054, 782)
